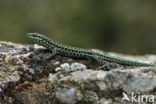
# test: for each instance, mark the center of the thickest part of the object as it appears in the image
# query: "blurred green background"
(126, 26)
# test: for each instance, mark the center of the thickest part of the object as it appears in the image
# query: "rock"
(30, 75)
(66, 95)
(72, 67)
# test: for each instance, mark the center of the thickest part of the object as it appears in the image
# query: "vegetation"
(127, 26)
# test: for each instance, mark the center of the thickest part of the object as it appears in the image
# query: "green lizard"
(73, 52)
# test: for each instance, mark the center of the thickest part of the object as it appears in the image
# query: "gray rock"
(29, 74)
(66, 95)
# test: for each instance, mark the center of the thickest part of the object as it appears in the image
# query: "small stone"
(102, 86)
(52, 78)
(78, 66)
(66, 95)
(36, 46)
(58, 69)
(56, 63)
(65, 66)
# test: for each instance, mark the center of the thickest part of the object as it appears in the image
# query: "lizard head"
(36, 37)
(41, 39)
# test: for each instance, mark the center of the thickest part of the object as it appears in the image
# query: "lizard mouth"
(32, 35)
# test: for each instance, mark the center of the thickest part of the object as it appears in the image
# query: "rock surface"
(30, 75)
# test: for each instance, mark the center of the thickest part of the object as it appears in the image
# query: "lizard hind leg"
(105, 66)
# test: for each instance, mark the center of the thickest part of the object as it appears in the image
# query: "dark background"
(126, 26)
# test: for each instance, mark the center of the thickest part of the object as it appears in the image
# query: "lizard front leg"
(53, 52)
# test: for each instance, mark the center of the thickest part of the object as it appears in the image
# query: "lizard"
(74, 52)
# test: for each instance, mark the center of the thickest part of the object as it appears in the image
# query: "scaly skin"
(73, 52)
